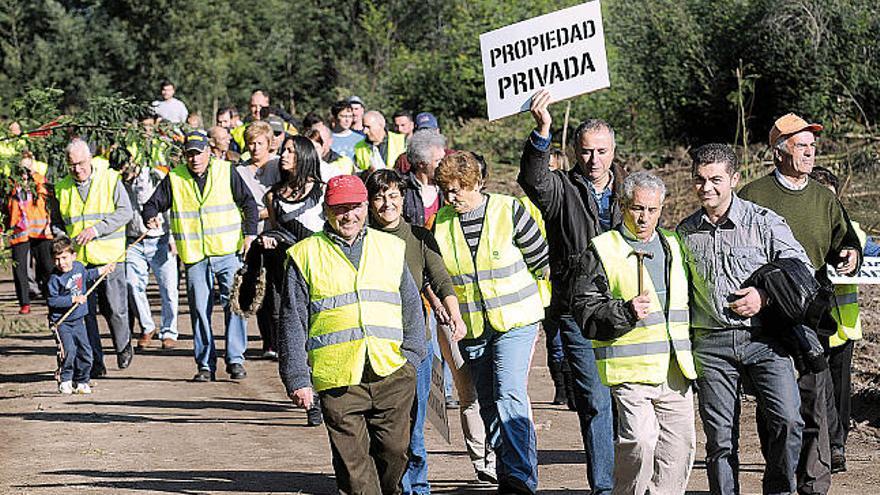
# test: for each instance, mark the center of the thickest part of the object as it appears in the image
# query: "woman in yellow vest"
(492, 249)
(636, 312)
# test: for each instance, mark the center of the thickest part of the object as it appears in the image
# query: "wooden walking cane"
(60, 353)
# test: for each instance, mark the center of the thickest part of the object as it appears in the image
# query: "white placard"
(868, 274)
(563, 51)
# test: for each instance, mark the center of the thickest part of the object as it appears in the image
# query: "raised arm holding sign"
(563, 51)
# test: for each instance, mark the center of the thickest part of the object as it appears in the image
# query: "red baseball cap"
(344, 189)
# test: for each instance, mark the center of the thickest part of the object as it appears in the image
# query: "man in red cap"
(820, 224)
(351, 304)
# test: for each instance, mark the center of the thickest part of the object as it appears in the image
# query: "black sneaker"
(838, 462)
(204, 376)
(98, 371)
(123, 359)
(236, 371)
(314, 416)
(487, 477)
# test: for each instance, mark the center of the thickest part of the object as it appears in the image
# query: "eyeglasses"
(278, 133)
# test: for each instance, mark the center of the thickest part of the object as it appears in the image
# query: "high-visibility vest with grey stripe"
(846, 309)
(204, 223)
(354, 314)
(499, 288)
(544, 288)
(79, 215)
(363, 151)
(642, 355)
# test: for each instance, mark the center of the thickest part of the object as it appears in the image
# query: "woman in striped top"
(494, 252)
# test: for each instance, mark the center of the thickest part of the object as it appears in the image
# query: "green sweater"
(815, 215)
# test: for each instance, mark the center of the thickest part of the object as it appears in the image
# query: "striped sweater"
(526, 235)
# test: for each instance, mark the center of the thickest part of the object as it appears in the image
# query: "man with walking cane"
(630, 295)
(93, 209)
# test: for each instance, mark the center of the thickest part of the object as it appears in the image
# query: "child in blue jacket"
(67, 286)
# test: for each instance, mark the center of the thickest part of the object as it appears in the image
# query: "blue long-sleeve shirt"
(64, 286)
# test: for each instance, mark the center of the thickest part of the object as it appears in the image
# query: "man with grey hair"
(422, 197)
(577, 205)
(727, 240)
(92, 208)
(630, 296)
(822, 227)
(381, 148)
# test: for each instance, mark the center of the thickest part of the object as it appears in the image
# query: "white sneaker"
(83, 388)
(65, 388)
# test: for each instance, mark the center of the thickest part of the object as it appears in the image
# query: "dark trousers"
(837, 395)
(369, 429)
(269, 314)
(21, 253)
(814, 463)
(110, 299)
(77, 364)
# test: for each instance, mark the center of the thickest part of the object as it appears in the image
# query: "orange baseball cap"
(790, 124)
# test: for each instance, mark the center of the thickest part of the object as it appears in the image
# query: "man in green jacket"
(821, 226)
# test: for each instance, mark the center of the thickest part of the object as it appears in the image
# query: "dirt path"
(148, 429)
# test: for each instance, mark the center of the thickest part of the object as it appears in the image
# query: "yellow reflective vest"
(544, 288)
(79, 215)
(846, 310)
(237, 134)
(498, 288)
(354, 314)
(642, 355)
(204, 223)
(363, 150)
(344, 164)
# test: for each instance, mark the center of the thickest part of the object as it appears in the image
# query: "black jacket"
(571, 215)
(413, 207)
(597, 313)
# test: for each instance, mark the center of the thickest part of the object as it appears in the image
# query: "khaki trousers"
(656, 441)
(481, 454)
(369, 429)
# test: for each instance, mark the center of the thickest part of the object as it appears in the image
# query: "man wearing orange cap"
(821, 226)
(352, 305)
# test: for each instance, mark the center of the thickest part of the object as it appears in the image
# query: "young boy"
(67, 286)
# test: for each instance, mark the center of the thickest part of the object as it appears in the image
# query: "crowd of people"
(362, 248)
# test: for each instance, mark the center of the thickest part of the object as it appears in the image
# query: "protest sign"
(868, 274)
(563, 51)
(436, 412)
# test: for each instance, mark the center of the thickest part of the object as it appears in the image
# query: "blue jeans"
(152, 253)
(77, 362)
(415, 479)
(593, 401)
(725, 359)
(499, 365)
(553, 341)
(199, 284)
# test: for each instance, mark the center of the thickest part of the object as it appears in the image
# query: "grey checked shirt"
(721, 257)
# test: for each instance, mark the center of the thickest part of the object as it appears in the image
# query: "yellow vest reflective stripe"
(344, 164)
(79, 215)
(238, 136)
(642, 355)
(846, 310)
(158, 153)
(544, 288)
(500, 287)
(363, 150)
(355, 314)
(204, 224)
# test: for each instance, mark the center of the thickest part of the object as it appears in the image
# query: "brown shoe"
(145, 339)
(168, 343)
